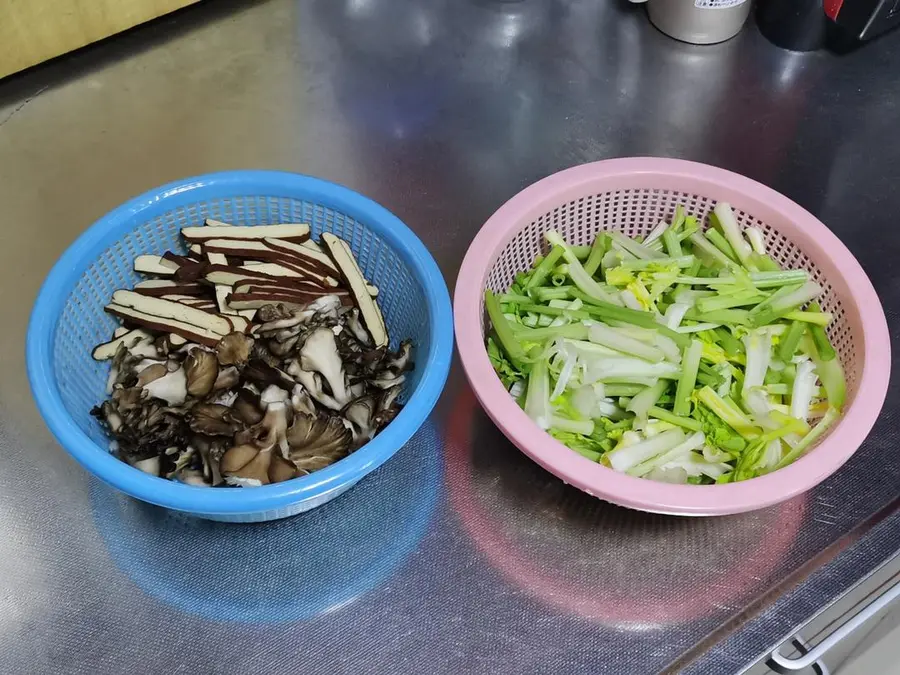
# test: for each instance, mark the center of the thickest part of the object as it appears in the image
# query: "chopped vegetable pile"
(688, 356)
(258, 357)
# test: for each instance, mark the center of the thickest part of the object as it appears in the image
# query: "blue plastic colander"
(68, 320)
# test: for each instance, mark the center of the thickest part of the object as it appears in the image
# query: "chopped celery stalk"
(765, 263)
(551, 293)
(732, 232)
(758, 347)
(609, 312)
(690, 362)
(655, 233)
(537, 395)
(802, 392)
(740, 317)
(598, 250)
(693, 442)
(797, 451)
(581, 252)
(682, 261)
(625, 456)
(610, 337)
(703, 244)
(830, 373)
(584, 427)
(780, 304)
(664, 415)
(674, 314)
(727, 413)
(757, 242)
(634, 248)
(730, 344)
(823, 344)
(678, 218)
(512, 298)
(673, 245)
(555, 311)
(577, 273)
(623, 389)
(759, 279)
(640, 405)
(592, 455)
(791, 341)
(628, 369)
(727, 302)
(545, 267)
(721, 243)
(503, 330)
(690, 226)
(818, 318)
(697, 328)
(574, 331)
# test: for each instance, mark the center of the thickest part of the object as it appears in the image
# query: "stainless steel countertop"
(459, 555)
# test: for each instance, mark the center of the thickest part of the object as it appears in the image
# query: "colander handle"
(813, 657)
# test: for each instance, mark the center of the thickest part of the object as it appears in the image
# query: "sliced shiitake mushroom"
(356, 282)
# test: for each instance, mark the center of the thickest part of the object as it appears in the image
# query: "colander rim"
(543, 196)
(83, 251)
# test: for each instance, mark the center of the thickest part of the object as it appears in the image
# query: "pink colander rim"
(807, 232)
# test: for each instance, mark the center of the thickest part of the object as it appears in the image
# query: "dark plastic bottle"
(798, 25)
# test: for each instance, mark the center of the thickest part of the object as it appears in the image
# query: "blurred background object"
(37, 30)
(700, 22)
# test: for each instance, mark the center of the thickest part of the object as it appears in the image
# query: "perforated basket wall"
(635, 212)
(83, 323)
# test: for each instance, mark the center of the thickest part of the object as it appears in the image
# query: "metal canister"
(699, 21)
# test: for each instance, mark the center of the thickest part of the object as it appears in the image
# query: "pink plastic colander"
(632, 196)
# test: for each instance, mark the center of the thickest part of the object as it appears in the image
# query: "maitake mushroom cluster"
(298, 385)
(304, 391)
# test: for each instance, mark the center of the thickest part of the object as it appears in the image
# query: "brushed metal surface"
(459, 555)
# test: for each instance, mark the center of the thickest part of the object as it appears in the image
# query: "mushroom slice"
(228, 378)
(149, 465)
(202, 369)
(402, 360)
(361, 413)
(313, 256)
(166, 309)
(261, 373)
(255, 249)
(316, 442)
(312, 246)
(301, 401)
(356, 282)
(320, 353)
(281, 469)
(257, 300)
(247, 462)
(119, 332)
(286, 267)
(154, 264)
(212, 222)
(234, 349)
(151, 373)
(160, 287)
(291, 232)
(211, 419)
(129, 338)
(230, 275)
(172, 388)
(247, 407)
(185, 330)
(263, 285)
